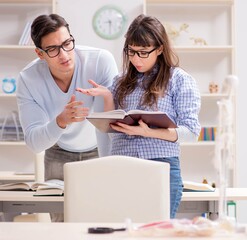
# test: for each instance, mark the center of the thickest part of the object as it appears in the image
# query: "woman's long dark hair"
(147, 31)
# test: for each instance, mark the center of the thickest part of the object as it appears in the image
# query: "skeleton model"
(225, 140)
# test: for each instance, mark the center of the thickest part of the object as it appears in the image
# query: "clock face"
(8, 85)
(109, 22)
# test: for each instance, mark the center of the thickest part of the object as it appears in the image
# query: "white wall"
(79, 14)
(241, 54)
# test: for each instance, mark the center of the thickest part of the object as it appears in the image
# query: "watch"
(109, 22)
(9, 85)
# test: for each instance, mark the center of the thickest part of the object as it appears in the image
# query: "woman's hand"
(141, 130)
(97, 90)
(169, 134)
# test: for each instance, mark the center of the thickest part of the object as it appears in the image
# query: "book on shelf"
(207, 134)
(25, 38)
(48, 188)
(190, 186)
(102, 120)
(56, 188)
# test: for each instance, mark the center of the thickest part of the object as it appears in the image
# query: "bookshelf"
(14, 14)
(202, 33)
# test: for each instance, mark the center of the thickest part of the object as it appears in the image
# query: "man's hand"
(73, 112)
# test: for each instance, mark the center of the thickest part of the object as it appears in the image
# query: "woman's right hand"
(96, 90)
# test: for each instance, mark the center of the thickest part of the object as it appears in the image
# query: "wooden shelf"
(17, 47)
(12, 143)
(214, 95)
(190, 1)
(208, 56)
(15, 14)
(16, 176)
(213, 49)
(5, 95)
(199, 143)
(25, 1)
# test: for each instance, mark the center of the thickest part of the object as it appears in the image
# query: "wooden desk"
(21, 201)
(78, 231)
(231, 194)
(196, 203)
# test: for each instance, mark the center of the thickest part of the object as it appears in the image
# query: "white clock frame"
(109, 22)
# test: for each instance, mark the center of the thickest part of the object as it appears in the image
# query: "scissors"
(104, 230)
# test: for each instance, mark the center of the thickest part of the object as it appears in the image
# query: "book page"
(16, 186)
(136, 111)
(115, 114)
(53, 187)
(51, 182)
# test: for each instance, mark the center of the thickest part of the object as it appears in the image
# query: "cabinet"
(202, 33)
(14, 14)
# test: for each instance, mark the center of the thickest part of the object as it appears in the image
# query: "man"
(52, 113)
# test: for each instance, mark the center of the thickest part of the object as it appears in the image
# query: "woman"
(152, 81)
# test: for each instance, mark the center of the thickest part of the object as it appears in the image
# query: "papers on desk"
(190, 186)
(53, 187)
(196, 227)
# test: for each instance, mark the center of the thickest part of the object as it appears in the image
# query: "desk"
(195, 203)
(231, 194)
(78, 231)
(21, 201)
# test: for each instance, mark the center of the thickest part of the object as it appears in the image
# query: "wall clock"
(109, 22)
(9, 85)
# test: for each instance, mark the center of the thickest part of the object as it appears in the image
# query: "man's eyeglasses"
(142, 54)
(53, 51)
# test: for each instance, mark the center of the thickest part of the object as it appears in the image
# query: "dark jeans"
(176, 183)
(56, 157)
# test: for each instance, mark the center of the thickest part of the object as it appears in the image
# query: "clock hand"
(110, 25)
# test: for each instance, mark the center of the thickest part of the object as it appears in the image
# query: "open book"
(190, 186)
(55, 187)
(49, 187)
(102, 120)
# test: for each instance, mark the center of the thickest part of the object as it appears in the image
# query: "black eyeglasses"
(53, 51)
(142, 54)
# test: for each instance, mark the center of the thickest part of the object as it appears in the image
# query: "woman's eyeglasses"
(53, 51)
(142, 54)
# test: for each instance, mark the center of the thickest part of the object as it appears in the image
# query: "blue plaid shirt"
(181, 102)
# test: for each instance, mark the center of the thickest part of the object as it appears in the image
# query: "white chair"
(113, 188)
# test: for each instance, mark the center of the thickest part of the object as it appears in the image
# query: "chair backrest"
(113, 188)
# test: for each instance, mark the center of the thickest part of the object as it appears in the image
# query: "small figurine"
(174, 32)
(213, 185)
(213, 87)
(205, 181)
(199, 41)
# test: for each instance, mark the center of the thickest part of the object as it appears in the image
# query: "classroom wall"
(79, 14)
(241, 53)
